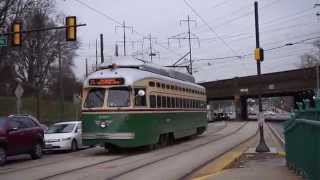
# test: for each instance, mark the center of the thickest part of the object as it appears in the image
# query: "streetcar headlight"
(103, 124)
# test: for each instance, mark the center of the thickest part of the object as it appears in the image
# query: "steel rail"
(177, 153)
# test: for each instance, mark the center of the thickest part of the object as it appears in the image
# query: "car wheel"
(3, 156)
(74, 146)
(36, 152)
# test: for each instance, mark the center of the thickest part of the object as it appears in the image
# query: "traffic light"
(258, 54)
(16, 33)
(71, 31)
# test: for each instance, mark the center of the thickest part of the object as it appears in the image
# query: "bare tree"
(38, 57)
(311, 59)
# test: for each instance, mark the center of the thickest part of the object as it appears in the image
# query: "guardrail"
(302, 138)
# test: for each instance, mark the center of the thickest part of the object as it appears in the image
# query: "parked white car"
(64, 136)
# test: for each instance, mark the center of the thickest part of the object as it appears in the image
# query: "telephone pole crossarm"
(151, 52)
(190, 36)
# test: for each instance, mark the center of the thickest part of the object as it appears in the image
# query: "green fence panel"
(302, 137)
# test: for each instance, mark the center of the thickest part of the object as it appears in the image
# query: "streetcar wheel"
(200, 130)
(112, 148)
(163, 140)
(150, 147)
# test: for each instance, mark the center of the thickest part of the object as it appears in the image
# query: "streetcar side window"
(164, 101)
(169, 102)
(153, 102)
(174, 102)
(158, 101)
(140, 100)
(95, 98)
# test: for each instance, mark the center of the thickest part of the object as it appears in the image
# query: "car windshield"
(119, 97)
(95, 98)
(60, 128)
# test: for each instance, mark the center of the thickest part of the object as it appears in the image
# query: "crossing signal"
(17, 33)
(71, 30)
(258, 54)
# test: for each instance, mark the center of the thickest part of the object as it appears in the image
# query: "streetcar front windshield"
(95, 98)
(119, 97)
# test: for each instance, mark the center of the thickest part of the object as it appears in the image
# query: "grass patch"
(49, 109)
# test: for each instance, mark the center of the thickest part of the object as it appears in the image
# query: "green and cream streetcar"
(130, 105)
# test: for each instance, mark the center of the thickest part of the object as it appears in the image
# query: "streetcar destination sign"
(106, 82)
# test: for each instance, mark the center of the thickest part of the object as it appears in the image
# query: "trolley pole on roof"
(262, 146)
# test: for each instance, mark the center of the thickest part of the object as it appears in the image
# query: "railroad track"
(148, 163)
(276, 134)
(126, 156)
(175, 154)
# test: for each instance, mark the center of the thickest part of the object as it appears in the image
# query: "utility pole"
(124, 27)
(86, 67)
(189, 37)
(262, 146)
(101, 48)
(96, 55)
(317, 5)
(151, 53)
(61, 94)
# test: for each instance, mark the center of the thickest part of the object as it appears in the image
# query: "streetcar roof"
(128, 68)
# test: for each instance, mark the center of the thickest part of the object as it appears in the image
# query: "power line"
(211, 29)
(266, 50)
(243, 15)
(99, 12)
(119, 23)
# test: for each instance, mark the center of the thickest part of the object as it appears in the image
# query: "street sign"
(3, 41)
(19, 91)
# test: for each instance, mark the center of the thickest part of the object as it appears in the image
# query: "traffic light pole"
(61, 93)
(262, 146)
(41, 29)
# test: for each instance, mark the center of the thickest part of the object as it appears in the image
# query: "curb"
(225, 162)
(218, 165)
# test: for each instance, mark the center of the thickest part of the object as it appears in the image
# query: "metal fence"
(302, 137)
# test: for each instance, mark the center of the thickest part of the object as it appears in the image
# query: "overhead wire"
(250, 54)
(211, 29)
(119, 23)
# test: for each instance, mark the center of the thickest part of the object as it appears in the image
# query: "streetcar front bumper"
(89, 136)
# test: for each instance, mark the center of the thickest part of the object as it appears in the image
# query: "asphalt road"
(172, 162)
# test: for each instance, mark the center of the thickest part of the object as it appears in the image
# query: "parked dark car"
(20, 134)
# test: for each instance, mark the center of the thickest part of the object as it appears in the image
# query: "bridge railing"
(302, 137)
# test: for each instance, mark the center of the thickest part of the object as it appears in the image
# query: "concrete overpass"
(299, 83)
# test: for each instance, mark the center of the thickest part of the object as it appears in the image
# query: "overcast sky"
(224, 27)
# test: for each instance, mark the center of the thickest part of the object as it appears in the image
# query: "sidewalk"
(252, 166)
(260, 167)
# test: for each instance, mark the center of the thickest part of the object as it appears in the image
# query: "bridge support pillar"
(244, 108)
(241, 109)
